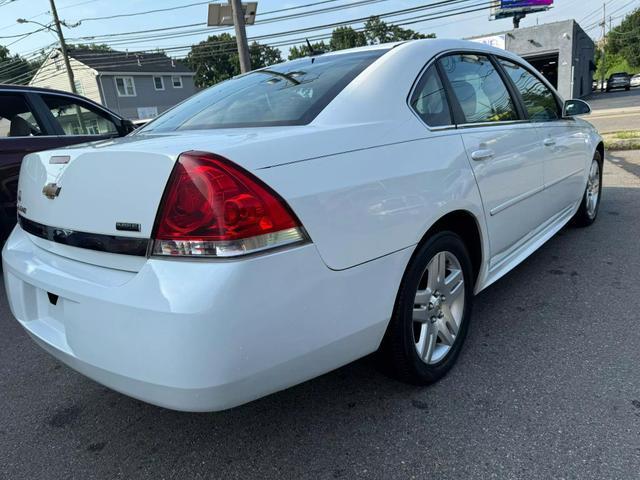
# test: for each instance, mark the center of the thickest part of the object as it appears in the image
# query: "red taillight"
(212, 207)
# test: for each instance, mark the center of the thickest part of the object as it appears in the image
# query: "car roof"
(29, 88)
(440, 44)
(5, 87)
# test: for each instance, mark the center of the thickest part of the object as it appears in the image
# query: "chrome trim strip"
(558, 180)
(90, 241)
(493, 124)
(524, 196)
(515, 200)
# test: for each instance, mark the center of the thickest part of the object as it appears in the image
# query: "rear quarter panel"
(362, 205)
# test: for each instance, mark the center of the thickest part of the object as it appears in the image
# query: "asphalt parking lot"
(548, 387)
(615, 111)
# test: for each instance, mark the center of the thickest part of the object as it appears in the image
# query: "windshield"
(290, 93)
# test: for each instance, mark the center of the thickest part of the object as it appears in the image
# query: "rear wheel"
(432, 311)
(590, 205)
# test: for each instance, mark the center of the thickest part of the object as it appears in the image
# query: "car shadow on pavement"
(621, 161)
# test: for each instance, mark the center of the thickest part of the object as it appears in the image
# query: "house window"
(176, 82)
(125, 87)
(79, 87)
(158, 82)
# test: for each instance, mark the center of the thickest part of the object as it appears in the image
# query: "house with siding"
(137, 85)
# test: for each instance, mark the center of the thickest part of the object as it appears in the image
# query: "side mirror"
(574, 107)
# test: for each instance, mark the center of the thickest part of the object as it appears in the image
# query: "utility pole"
(63, 47)
(241, 35)
(604, 46)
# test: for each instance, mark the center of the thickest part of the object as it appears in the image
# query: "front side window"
(77, 119)
(177, 82)
(539, 101)
(290, 93)
(125, 86)
(16, 118)
(429, 100)
(158, 83)
(479, 89)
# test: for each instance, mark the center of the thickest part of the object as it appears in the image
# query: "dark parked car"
(619, 80)
(34, 119)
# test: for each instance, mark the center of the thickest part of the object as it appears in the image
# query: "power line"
(411, 20)
(7, 2)
(258, 22)
(147, 12)
(207, 50)
(10, 25)
(405, 21)
(139, 38)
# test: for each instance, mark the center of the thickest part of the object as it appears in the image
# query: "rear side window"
(77, 118)
(539, 101)
(429, 100)
(479, 89)
(16, 118)
(290, 93)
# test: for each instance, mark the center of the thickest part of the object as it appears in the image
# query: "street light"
(24, 20)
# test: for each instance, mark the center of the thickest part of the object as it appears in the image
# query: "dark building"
(561, 51)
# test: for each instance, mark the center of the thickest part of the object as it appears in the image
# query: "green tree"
(263, 55)
(375, 31)
(91, 46)
(624, 40)
(14, 68)
(378, 31)
(216, 59)
(346, 37)
(303, 50)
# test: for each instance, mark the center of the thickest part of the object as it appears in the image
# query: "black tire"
(583, 218)
(398, 352)
(627, 88)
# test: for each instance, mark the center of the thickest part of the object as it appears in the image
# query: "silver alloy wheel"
(593, 189)
(438, 307)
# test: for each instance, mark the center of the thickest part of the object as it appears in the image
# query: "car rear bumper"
(201, 336)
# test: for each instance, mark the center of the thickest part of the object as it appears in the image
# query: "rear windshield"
(619, 75)
(290, 93)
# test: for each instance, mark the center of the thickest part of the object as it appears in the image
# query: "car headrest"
(19, 127)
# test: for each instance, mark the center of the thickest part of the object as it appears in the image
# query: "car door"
(564, 141)
(78, 121)
(22, 131)
(504, 151)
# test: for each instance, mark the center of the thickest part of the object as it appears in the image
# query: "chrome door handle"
(549, 142)
(483, 154)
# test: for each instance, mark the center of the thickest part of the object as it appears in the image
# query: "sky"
(586, 12)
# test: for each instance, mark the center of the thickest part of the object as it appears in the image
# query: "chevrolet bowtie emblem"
(51, 190)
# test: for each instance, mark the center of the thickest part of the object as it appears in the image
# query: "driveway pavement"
(547, 387)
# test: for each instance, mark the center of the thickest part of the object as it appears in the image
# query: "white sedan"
(286, 222)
